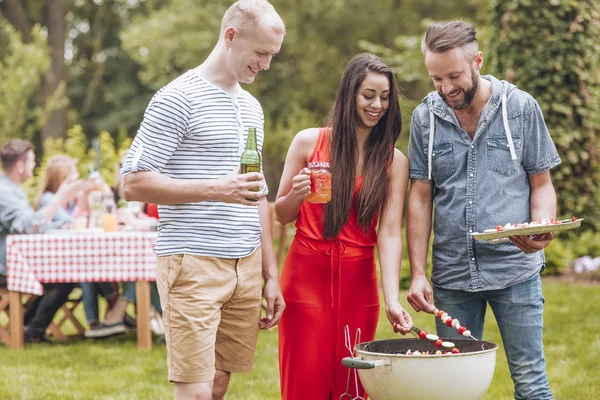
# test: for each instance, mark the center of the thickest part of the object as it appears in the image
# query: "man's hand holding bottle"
(239, 188)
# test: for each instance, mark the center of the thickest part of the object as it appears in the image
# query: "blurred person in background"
(58, 169)
(17, 216)
(131, 216)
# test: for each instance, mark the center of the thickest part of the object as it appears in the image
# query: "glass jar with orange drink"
(320, 182)
(109, 217)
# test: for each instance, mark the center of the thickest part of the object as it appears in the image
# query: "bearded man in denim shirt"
(481, 153)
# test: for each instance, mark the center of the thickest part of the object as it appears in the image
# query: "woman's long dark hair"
(343, 144)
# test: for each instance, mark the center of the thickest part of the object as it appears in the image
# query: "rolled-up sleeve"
(539, 152)
(164, 126)
(416, 157)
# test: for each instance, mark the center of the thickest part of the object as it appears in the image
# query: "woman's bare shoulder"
(399, 162)
(306, 139)
(308, 135)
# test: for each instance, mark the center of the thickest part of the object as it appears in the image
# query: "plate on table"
(503, 233)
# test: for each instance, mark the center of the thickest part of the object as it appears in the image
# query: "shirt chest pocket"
(498, 155)
(442, 161)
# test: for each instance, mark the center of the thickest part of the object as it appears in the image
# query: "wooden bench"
(7, 315)
(66, 313)
(54, 329)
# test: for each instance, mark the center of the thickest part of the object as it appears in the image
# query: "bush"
(552, 51)
(561, 252)
(103, 155)
(278, 137)
(558, 257)
(586, 244)
(22, 66)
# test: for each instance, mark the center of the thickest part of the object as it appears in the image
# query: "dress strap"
(322, 146)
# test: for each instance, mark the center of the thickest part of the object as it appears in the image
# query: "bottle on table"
(96, 209)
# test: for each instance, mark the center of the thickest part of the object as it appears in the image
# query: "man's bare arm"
(154, 187)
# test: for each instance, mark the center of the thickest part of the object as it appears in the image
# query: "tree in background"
(552, 51)
(21, 67)
(104, 89)
(51, 15)
(89, 79)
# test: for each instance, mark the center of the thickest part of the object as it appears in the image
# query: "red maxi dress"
(326, 284)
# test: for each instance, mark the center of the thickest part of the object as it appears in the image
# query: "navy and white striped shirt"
(195, 130)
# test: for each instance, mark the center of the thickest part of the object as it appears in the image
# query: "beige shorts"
(211, 308)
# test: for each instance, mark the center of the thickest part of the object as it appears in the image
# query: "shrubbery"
(563, 250)
(558, 257)
(102, 154)
(553, 52)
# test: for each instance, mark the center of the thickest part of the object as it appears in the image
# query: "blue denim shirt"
(16, 215)
(476, 185)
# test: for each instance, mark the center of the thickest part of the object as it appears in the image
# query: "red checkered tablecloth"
(78, 257)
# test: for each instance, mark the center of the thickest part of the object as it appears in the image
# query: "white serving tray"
(494, 236)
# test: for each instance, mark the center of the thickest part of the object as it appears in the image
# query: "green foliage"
(104, 158)
(21, 68)
(107, 159)
(173, 38)
(552, 51)
(104, 90)
(586, 244)
(559, 256)
(76, 147)
(563, 250)
(278, 136)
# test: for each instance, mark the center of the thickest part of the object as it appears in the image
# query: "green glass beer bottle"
(250, 159)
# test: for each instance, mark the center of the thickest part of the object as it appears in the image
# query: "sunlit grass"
(115, 369)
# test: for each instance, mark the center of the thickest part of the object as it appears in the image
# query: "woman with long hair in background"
(58, 169)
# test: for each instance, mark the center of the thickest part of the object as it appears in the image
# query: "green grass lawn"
(115, 369)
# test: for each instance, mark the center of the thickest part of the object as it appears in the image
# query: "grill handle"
(359, 363)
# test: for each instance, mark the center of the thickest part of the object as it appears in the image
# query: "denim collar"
(437, 107)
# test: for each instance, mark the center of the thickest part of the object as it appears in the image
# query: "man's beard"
(469, 94)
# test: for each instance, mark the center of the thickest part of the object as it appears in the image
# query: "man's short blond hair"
(245, 14)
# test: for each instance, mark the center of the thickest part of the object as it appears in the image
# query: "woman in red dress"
(329, 279)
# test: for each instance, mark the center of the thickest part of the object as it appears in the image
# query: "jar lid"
(318, 164)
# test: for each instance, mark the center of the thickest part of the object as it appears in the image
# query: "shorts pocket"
(175, 270)
(498, 151)
(442, 159)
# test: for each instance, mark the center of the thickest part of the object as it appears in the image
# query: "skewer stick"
(454, 323)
